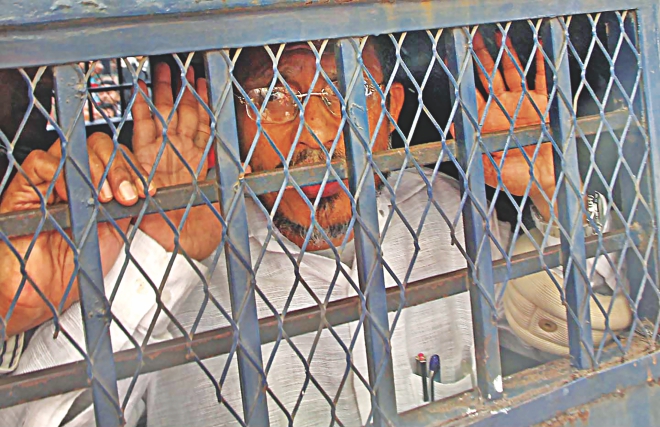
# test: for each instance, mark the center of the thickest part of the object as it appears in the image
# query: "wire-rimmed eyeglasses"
(282, 108)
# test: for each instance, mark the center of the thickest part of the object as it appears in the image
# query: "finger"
(204, 120)
(509, 61)
(97, 169)
(187, 111)
(489, 65)
(163, 99)
(144, 129)
(121, 182)
(39, 168)
(138, 176)
(481, 106)
(541, 82)
(55, 150)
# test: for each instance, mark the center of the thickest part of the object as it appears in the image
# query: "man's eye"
(277, 96)
(261, 97)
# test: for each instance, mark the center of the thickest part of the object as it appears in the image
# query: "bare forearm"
(50, 269)
(25, 284)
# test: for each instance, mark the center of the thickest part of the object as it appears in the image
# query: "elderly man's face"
(297, 65)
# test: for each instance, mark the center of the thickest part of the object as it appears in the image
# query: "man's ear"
(396, 98)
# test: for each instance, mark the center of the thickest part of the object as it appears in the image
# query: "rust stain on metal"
(571, 418)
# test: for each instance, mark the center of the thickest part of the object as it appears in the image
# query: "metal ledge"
(543, 393)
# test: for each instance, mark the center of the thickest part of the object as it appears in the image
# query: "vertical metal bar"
(90, 106)
(648, 19)
(366, 234)
(120, 80)
(484, 317)
(569, 204)
(241, 278)
(70, 91)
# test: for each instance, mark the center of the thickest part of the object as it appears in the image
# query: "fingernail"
(152, 187)
(127, 191)
(106, 192)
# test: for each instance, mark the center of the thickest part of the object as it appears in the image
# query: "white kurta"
(134, 305)
(186, 396)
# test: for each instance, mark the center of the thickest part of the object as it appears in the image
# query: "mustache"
(310, 156)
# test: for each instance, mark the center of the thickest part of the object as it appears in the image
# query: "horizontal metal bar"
(43, 11)
(32, 38)
(177, 197)
(170, 198)
(48, 382)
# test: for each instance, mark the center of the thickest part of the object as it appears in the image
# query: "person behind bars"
(312, 374)
(134, 252)
(306, 257)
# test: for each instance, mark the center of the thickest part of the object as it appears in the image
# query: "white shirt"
(186, 396)
(134, 305)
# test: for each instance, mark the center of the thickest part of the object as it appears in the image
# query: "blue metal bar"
(44, 12)
(475, 217)
(366, 232)
(70, 97)
(648, 19)
(569, 202)
(237, 249)
(160, 30)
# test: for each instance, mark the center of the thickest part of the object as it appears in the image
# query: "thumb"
(36, 172)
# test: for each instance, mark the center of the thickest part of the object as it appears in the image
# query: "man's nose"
(321, 123)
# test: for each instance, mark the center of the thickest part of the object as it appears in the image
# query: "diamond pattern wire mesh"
(293, 109)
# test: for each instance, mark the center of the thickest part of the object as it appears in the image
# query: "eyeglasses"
(282, 108)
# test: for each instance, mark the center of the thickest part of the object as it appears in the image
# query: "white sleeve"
(134, 305)
(10, 353)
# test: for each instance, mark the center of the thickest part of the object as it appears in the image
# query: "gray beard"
(290, 228)
(335, 231)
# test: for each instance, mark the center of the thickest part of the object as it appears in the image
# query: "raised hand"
(507, 87)
(50, 264)
(188, 131)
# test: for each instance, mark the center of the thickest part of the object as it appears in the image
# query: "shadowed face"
(297, 65)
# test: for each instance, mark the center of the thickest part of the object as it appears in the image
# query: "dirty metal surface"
(538, 395)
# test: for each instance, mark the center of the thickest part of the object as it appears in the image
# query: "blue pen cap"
(434, 363)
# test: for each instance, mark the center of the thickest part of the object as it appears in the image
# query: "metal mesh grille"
(282, 234)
